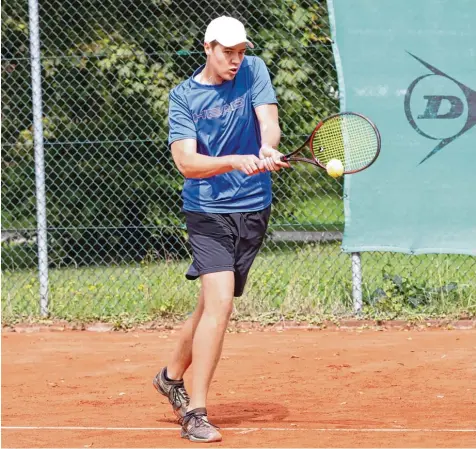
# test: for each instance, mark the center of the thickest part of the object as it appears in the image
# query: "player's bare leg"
(169, 381)
(207, 346)
(208, 340)
(182, 355)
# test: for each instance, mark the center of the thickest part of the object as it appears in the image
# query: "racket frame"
(315, 161)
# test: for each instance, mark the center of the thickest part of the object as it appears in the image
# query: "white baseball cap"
(226, 31)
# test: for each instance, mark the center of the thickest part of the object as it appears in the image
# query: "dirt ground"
(288, 388)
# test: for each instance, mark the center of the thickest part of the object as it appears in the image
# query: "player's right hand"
(249, 164)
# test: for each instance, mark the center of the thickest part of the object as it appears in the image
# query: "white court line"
(243, 429)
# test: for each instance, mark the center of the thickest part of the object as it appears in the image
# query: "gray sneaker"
(197, 428)
(174, 391)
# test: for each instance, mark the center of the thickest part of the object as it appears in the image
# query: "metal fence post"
(357, 282)
(39, 153)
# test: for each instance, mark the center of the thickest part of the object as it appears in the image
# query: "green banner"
(410, 66)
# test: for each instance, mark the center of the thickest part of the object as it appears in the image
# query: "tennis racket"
(349, 137)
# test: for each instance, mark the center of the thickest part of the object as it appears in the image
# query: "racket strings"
(349, 138)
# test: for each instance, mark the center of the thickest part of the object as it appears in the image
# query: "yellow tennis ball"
(335, 168)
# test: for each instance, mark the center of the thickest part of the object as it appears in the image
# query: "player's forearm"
(270, 133)
(200, 166)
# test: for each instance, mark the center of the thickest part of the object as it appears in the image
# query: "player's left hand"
(271, 159)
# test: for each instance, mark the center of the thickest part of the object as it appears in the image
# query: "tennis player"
(223, 134)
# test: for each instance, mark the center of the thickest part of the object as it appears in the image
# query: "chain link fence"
(116, 242)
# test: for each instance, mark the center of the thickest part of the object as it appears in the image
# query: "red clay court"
(291, 388)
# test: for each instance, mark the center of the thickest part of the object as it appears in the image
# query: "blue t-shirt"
(222, 120)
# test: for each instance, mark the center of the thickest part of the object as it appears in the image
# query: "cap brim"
(232, 44)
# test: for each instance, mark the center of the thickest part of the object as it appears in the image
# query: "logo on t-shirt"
(221, 110)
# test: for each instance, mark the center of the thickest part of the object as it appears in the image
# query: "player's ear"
(207, 47)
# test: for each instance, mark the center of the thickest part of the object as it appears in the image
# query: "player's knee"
(220, 307)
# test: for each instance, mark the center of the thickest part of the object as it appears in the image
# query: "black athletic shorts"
(225, 242)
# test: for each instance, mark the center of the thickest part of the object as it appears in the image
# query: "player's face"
(225, 61)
